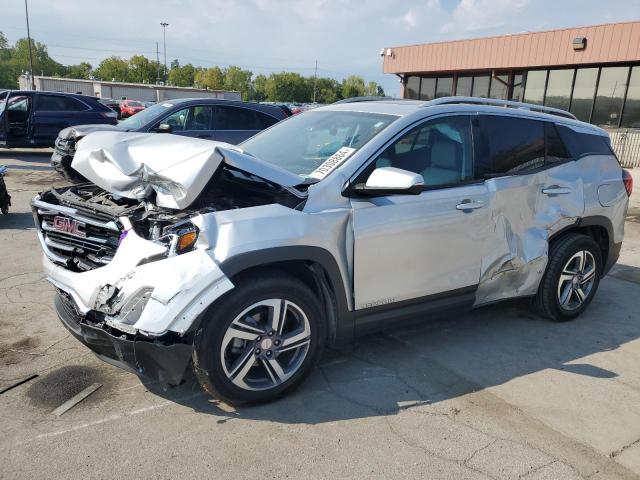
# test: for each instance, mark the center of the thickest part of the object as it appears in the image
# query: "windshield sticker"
(331, 163)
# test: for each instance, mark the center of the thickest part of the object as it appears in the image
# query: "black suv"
(33, 119)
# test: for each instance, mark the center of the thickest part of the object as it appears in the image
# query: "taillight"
(628, 181)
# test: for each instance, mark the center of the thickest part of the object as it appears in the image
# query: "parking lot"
(495, 393)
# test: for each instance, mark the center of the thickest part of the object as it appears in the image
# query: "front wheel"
(260, 341)
(571, 279)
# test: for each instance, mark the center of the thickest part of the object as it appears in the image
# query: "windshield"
(314, 143)
(145, 116)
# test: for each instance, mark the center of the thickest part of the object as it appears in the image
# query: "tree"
(212, 78)
(353, 86)
(142, 70)
(182, 76)
(113, 69)
(8, 78)
(81, 70)
(259, 91)
(237, 79)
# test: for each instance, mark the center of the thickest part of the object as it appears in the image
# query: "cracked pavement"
(493, 394)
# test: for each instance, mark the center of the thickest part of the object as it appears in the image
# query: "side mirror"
(163, 128)
(391, 181)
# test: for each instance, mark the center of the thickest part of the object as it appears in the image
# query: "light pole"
(164, 37)
(26, 11)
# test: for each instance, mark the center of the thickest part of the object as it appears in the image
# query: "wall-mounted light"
(389, 52)
(579, 43)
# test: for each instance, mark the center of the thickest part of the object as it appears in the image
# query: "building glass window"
(428, 88)
(412, 88)
(631, 115)
(584, 89)
(481, 85)
(611, 88)
(445, 87)
(499, 87)
(559, 89)
(517, 90)
(534, 88)
(463, 86)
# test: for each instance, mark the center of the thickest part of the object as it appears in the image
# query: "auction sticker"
(331, 163)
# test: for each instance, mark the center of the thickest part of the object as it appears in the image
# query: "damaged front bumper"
(164, 358)
(140, 291)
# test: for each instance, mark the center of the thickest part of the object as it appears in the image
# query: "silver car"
(243, 262)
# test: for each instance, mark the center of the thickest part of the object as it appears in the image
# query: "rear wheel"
(260, 341)
(572, 278)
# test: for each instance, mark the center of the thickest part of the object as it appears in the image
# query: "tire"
(568, 286)
(253, 368)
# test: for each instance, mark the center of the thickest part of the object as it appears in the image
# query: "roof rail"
(499, 103)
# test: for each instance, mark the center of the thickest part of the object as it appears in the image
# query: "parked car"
(129, 108)
(244, 262)
(5, 198)
(112, 104)
(33, 119)
(223, 120)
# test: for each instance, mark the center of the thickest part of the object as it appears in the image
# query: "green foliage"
(276, 87)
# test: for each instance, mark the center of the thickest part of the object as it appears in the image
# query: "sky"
(264, 36)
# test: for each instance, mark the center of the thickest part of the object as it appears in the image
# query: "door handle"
(467, 204)
(556, 190)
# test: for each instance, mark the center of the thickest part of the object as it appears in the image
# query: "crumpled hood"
(177, 168)
(80, 131)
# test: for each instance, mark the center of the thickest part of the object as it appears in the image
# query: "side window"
(58, 103)
(580, 144)
(265, 121)
(177, 120)
(200, 118)
(440, 150)
(511, 145)
(235, 118)
(556, 151)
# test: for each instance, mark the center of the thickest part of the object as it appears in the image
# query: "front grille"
(78, 240)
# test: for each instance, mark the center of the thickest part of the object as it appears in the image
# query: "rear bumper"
(164, 358)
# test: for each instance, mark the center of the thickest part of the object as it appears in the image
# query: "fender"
(344, 328)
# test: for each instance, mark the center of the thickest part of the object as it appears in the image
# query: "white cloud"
(410, 19)
(473, 15)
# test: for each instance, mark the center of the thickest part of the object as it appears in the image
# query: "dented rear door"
(540, 194)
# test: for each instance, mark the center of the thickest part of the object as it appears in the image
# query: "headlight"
(180, 238)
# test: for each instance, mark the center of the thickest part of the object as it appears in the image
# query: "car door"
(235, 124)
(53, 113)
(4, 123)
(415, 247)
(199, 122)
(535, 191)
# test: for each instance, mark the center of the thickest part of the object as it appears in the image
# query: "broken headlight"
(179, 238)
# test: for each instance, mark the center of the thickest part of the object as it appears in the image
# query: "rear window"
(580, 144)
(511, 145)
(58, 103)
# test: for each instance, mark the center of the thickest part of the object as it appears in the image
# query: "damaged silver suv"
(242, 262)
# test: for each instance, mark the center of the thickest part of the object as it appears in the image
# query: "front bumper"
(164, 358)
(136, 294)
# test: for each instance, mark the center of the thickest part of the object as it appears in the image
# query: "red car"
(130, 107)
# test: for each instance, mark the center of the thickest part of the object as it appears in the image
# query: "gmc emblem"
(70, 226)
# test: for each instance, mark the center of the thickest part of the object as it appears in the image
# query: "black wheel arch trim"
(342, 328)
(613, 249)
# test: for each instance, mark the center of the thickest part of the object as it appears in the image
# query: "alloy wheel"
(265, 344)
(576, 280)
